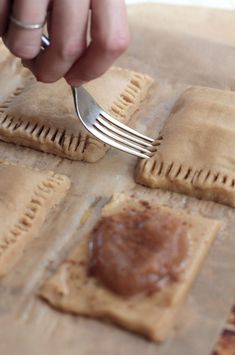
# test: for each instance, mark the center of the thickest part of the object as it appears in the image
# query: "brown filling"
(137, 251)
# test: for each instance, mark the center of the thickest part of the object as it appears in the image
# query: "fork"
(105, 127)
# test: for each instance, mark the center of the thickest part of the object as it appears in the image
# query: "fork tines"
(123, 137)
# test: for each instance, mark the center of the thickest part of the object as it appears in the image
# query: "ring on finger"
(28, 26)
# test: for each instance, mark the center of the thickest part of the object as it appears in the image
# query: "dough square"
(26, 197)
(42, 116)
(72, 289)
(12, 74)
(196, 148)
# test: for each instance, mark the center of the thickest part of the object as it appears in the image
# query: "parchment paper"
(178, 47)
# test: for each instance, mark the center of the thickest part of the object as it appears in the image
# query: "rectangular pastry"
(135, 267)
(196, 148)
(42, 116)
(26, 197)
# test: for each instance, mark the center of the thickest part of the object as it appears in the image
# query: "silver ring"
(28, 26)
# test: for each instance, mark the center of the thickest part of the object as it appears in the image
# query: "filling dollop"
(137, 251)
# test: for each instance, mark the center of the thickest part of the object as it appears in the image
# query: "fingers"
(68, 29)
(25, 43)
(4, 11)
(109, 38)
(67, 54)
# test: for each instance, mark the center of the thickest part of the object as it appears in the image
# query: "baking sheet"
(177, 57)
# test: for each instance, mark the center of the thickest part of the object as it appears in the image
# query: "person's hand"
(69, 55)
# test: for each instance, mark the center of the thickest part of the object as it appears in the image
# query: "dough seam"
(61, 141)
(40, 196)
(8, 101)
(128, 96)
(65, 143)
(162, 172)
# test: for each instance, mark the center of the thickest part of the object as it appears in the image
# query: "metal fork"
(105, 127)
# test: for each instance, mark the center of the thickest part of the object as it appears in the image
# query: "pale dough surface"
(42, 116)
(26, 197)
(196, 148)
(71, 290)
(13, 74)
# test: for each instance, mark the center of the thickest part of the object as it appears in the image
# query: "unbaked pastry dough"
(12, 74)
(26, 196)
(196, 148)
(42, 116)
(72, 290)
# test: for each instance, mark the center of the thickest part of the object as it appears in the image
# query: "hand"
(69, 54)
